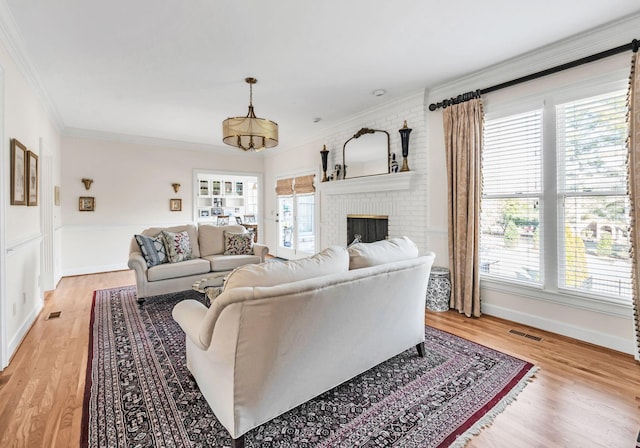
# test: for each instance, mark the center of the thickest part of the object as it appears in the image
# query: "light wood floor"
(583, 395)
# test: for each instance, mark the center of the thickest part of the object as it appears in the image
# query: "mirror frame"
(359, 134)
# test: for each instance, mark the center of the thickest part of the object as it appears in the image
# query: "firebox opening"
(370, 228)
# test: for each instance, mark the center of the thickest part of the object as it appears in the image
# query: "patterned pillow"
(152, 249)
(178, 246)
(238, 243)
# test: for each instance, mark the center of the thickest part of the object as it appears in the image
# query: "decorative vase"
(323, 154)
(394, 163)
(404, 137)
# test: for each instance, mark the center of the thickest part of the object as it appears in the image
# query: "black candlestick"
(404, 138)
(324, 153)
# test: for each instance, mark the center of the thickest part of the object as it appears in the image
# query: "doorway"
(296, 217)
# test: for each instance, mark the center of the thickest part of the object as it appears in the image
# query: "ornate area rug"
(139, 392)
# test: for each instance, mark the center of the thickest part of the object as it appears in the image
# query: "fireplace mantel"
(369, 184)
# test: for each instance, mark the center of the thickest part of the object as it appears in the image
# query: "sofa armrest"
(140, 268)
(189, 314)
(260, 250)
(137, 262)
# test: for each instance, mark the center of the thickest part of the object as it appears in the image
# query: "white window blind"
(512, 189)
(594, 221)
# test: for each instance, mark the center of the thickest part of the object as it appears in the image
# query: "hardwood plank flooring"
(583, 395)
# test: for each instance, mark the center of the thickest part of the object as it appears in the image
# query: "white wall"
(132, 188)
(25, 118)
(602, 324)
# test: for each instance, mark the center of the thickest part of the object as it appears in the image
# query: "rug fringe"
(490, 416)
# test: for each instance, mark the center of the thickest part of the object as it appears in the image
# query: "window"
(554, 212)
(592, 183)
(512, 189)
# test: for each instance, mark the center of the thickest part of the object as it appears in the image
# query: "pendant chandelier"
(250, 133)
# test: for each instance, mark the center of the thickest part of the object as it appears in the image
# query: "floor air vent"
(525, 335)
(54, 315)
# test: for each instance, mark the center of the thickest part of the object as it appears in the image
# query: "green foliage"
(511, 234)
(576, 259)
(517, 212)
(605, 244)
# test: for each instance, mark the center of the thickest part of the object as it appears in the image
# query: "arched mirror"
(366, 153)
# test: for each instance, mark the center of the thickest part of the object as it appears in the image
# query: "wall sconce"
(176, 187)
(87, 183)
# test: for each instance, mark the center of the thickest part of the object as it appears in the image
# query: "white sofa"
(280, 334)
(207, 244)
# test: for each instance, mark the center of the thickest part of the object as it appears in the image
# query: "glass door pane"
(305, 228)
(285, 247)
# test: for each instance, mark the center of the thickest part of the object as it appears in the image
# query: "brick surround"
(406, 209)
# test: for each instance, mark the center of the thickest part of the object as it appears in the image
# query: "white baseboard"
(17, 339)
(93, 269)
(572, 331)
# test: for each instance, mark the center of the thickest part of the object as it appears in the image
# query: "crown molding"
(575, 47)
(11, 37)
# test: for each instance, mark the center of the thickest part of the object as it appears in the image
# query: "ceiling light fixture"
(250, 133)
(378, 92)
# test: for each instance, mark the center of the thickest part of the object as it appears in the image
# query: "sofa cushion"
(238, 243)
(152, 249)
(211, 238)
(178, 246)
(330, 261)
(363, 255)
(182, 269)
(155, 231)
(229, 262)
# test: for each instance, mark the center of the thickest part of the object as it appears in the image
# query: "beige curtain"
(634, 191)
(463, 141)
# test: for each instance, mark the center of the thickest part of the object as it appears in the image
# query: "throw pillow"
(178, 246)
(152, 249)
(238, 243)
(363, 255)
(332, 260)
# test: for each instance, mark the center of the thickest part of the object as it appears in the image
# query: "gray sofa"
(207, 244)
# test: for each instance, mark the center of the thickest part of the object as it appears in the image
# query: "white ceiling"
(175, 69)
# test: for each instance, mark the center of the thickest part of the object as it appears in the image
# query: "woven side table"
(439, 289)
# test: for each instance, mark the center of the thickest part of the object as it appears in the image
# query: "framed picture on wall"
(175, 205)
(18, 173)
(87, 204)
(32, 178)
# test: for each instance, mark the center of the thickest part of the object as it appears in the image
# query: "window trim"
(611, 307)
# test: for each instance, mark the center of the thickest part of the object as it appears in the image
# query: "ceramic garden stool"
(439, 289)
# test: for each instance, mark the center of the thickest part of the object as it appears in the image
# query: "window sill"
(610, 307)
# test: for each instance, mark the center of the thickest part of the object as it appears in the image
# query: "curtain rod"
(594, 57)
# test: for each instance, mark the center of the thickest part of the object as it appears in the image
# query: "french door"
(296, 219)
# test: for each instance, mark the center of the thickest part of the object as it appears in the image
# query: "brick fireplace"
(389, 197)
